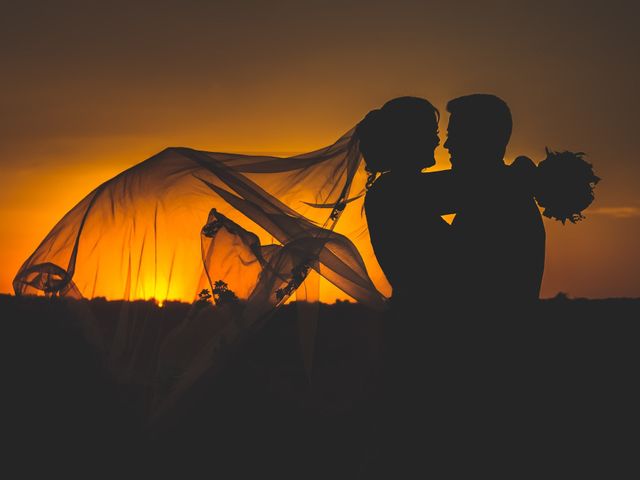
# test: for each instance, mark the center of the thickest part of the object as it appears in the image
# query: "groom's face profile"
(455, 144)
(472, 144)
(478, 132)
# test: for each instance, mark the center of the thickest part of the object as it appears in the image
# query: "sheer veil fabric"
(185, 219)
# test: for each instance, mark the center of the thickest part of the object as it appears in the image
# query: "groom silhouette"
(499, 237)
(479, 370)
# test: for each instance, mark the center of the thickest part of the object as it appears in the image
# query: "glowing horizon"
(162, 288)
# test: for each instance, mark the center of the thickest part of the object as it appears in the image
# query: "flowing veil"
(252, 230)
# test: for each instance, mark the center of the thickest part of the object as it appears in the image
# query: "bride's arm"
(441, 191)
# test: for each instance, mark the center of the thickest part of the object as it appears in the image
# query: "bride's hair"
(562, 183)
(383, 132)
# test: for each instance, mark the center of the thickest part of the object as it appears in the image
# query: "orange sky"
(89, 91)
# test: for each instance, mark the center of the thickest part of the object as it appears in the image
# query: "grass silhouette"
(261, 416)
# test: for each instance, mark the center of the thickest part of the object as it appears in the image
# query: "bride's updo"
(562, 183)
(401, 135)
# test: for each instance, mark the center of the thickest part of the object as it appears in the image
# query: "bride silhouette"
(409, 237)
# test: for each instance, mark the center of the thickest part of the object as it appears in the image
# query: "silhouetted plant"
(222, 295)
(204, 297)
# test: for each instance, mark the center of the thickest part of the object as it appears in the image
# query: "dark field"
(577, 362)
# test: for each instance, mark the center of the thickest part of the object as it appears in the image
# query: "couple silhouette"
(454, 350)
(493, 253)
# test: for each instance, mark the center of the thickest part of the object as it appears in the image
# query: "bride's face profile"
(417, 151)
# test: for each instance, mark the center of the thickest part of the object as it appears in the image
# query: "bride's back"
(408, 237)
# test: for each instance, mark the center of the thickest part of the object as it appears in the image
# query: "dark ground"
(575, 368)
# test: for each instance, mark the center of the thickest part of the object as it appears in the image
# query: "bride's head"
(401, 136)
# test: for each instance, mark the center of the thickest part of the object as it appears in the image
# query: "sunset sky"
(91, 88)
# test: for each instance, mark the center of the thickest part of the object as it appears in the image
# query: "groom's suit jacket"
(499, 241)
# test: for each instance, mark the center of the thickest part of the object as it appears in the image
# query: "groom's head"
(478, 132)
